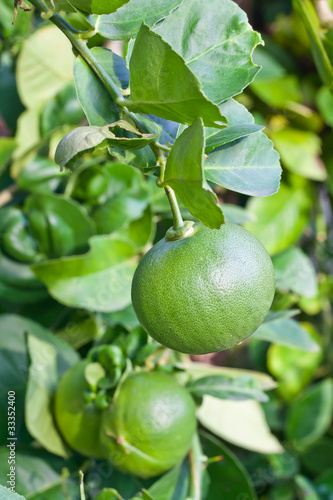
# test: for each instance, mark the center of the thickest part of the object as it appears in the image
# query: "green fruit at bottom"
(205, 291)
(150, 425)
(78, 422)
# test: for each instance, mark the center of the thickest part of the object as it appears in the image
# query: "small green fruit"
(149, 427)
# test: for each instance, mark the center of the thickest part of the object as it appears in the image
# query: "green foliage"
(174, 106)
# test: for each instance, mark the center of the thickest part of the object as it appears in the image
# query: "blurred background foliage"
(51, 223)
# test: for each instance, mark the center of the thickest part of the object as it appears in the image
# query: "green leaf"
(7, 147)
(293, 368)
(95, 100)
(324, 100)
(319, 456)
(42, 383)
(18, 284)
(241, 423)
(223, 387)
(42, 71)
(229, 134)
(93, 372)
(300, 150)
(163, 85)
(14, 362)
(108, 494)
(310, 415)
(216, 43)
(127, 21)
(63, 109)
(41, 175)
(126, 202)
(236, 214)
(228, 477)
(60, 226)
(280, 219)
(306, 489)
(6, 494)
(173, 484)
(295, 272)
(98, 6)
(39, 475)
(184, 174)
(287, 332)
(88, 139)
(273, 85)
(197, 370)
(308, 14)
(248, 165)
(98, 281)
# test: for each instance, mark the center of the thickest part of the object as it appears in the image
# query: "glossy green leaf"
(287, 332)
(281, 219)
(310, 415)
(293, 368)
(309, 17)
(18, 284)
(295, 272)
(88, 139)
(184, 174)
(98, 6)
(98, 281)
(242, 423)
(228, 477)
(126, 202)
(163, 85)
(248, 165)
(41, 175)
(60, 226)
(220, 56)
(42, 383)
(16, 242)
(222, 387)
(300, 150)
(229, 134)
(42, 71)
(127, 21)
(95, 100)
(173, 484)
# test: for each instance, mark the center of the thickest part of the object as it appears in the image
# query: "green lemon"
(78, 421)
(150, 425)
(205, 291)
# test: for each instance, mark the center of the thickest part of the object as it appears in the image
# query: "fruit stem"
(178, 222)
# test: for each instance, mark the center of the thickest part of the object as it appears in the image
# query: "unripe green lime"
(78, 421)
(150, 426)
(206, 291)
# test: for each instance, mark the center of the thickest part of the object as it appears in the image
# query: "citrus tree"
(144, 219)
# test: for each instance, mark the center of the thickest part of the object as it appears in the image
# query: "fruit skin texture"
(149, 428)
(78, 423)
(205, 292)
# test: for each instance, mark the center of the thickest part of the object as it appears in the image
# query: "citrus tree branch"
(83, 50)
